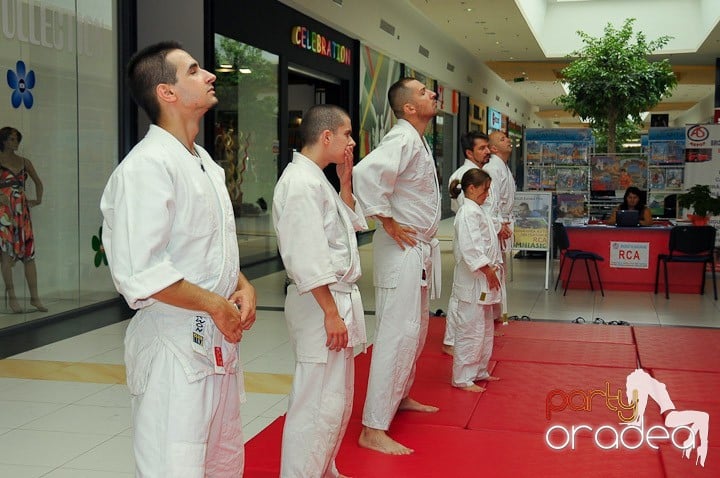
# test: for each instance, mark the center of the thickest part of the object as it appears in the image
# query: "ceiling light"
(225, 65)
(245, 71)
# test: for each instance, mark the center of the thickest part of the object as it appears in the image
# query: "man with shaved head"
(397, 184)
(316, 236)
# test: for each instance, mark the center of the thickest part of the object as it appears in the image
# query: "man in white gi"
(502, 187)
(502, 200)
(169, 235)
(397, 184)
(477, 154)
(316, 236)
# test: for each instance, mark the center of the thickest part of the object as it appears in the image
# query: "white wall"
(702, 112)
(179, 20)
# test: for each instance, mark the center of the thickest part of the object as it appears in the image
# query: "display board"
(533, 217)
(557, 159)
(666, 169)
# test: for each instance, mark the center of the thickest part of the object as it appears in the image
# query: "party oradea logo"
(686, 430)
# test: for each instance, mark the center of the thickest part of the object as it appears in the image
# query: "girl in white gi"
(316, 236)
(476, 281)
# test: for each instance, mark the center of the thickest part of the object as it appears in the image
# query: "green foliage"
(700, 199)
(611, 78)
(97, 246)
(625, 131)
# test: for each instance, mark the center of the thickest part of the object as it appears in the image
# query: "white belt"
(436, 264)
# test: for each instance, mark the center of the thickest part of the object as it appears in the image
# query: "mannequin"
(17, 241)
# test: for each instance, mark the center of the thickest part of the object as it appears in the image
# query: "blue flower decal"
(21, 84)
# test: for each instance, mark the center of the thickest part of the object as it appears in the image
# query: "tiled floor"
(64, 408)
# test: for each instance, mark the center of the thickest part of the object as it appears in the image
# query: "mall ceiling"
(496, 32)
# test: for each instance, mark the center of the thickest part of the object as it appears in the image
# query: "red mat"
(567, 332)
(446, 452)
(456, 406)
(678, 348)
(559, 352)
(684, 385)
(527, 393)
(501, 433)
(676, 466)
(262, 452)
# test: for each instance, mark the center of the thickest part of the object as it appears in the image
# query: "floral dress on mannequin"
(16, 233)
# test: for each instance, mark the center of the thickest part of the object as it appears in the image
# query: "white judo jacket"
(398, 179)
(167, 216)
(476, 245)
(316, 237)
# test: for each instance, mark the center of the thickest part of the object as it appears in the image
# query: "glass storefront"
(59, 58)
(246, 140)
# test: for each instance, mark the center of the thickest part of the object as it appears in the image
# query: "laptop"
(627, 218)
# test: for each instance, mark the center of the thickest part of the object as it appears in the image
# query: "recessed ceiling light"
(244, 71)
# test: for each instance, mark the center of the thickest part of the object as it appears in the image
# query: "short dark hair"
(148, 68)
(318, 119)
(467, 141)
(398, 95)
(5, 134)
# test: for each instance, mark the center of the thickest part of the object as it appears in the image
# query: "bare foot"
(408, 403)
(38, 305)
(14, 305)
(473, 388)
(378, 440)
(448, 349)
(492, 378)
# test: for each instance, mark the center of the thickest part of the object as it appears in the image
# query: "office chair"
(562, 241)
(689, 244)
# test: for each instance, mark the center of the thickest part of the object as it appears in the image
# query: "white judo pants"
(474, 327)
(403, 314)
(450, 319)
(318, 413)
(187, 430)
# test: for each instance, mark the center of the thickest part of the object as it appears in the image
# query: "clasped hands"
(236, 314)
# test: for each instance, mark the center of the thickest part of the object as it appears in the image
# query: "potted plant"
(702, 202)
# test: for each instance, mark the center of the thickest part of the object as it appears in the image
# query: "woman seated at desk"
(633, 200)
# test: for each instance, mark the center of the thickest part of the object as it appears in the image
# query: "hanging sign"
(303, 37)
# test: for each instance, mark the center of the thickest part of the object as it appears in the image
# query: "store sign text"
(304, 38)
(39, 24)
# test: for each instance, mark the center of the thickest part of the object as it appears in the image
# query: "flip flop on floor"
(618, 322)
(598, 320)
(578, 320)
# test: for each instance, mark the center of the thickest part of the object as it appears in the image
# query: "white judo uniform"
(167, 216)
(476, 245)
(502, 193)
(398, 179)
(501, 202)
(449, 338)
(316, 237)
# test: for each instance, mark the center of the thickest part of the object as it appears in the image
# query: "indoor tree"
(611, 80)
(627, 131)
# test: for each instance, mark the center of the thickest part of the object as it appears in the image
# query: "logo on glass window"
(21, 82)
